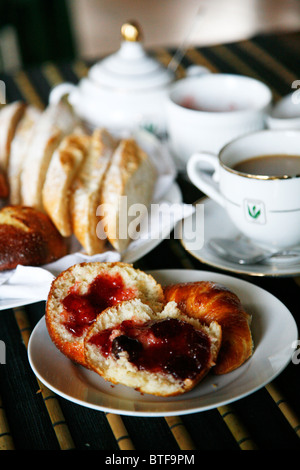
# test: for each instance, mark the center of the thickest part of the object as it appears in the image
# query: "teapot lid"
(130, 68)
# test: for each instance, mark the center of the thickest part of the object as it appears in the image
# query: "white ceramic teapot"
(125, 90)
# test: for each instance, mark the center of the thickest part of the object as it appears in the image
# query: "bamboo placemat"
(56, 416)
(6, 440)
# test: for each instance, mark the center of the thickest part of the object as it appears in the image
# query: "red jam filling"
(105, 291)
(171, 346)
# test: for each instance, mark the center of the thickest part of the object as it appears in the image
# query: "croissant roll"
(209, 302)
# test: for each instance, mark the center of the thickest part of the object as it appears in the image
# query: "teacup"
(205, 112)
(265, 206)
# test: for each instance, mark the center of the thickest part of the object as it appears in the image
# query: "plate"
(216, 223)
(14, 303)
(166, 194)
(270, 319)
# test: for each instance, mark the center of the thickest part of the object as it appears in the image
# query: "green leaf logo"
(254, 212)
(151, 128)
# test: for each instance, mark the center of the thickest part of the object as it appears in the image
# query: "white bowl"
(285, 114)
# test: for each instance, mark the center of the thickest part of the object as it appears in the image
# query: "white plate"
(166, 192)
(274, 331)
(216, 223)
(14, 303)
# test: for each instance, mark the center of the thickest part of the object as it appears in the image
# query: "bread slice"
(63, 167)
(86, 191)
(10, 116)
(28, 237)
(19, 150)
(131, 175)
(83, 291)
(54, 124)
(164, 354)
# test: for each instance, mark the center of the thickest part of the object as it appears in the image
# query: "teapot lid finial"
(130, 68)
(131, 31)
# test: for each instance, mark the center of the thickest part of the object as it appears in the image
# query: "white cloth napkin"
(25, 282)
(33, 283)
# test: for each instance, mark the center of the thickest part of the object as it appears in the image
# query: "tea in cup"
(256, 178)
(205, 112)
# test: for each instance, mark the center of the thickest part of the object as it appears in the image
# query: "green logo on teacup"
(254, 211)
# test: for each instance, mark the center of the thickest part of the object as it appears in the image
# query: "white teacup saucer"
(217, 224)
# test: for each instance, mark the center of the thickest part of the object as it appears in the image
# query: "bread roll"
(162, 354)
(63, 167)
(28, 237)
(4, 190)
(83, 291)
(209, 301)
(55, 123)
(86, 191)
(10, 116)
(19, 150)
(130, 174)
